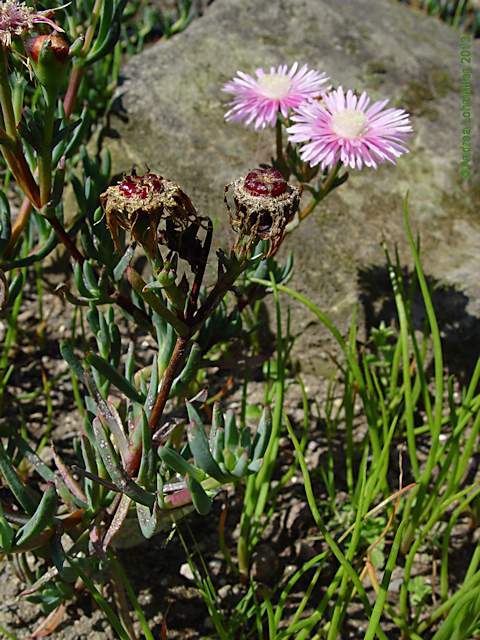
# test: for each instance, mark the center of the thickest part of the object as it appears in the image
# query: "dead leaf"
(51, 622)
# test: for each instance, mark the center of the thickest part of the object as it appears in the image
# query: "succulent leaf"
(41, 518)
(201, 501)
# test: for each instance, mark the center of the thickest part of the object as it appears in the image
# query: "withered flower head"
(264, 203)
(138, 204)
(17, 19)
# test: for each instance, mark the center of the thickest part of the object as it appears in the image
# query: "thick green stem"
(13, 153)
(45, 158)
(330, 179)
(138, 284)
(6, 96)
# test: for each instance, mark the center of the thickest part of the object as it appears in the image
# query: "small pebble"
(186, 572)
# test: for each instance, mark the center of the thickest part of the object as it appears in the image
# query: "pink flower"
(16, 19)
(342, 128)
(260, 99)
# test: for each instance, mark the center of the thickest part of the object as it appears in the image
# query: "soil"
(158, 569)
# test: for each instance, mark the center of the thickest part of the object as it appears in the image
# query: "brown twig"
(65, 239)
(197, 283)
(217, 294)
(132, 462)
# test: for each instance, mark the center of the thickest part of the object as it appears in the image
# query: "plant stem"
(45, 158)
(218, 292)
(279, 143)
(330, 179)
(68, 105)
(65, 238)
(195, 290)
(91, 27)
(322, 193)
(309, 208)
(168, 378)
(6, 96)
(20, 224)
(72, 90)
(213, 300)
(155, 302)
(13, 153)
(134, 455)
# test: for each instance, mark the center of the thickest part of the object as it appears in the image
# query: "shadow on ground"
(460, 330)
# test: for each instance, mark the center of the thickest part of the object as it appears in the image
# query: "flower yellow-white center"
(349, 123)
(274, 87)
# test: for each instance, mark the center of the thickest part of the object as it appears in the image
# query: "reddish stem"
(68, 105)
(65, 238)
(72, 90)
(132, 462)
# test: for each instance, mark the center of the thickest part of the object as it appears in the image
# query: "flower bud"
(138, 204)
(50, 59)
(76, 46)
(264, 203)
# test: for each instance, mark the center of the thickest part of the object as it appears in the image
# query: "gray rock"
(174, 109)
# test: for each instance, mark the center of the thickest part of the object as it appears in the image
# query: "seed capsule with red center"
(264, 204)
(128, 187)
(265, 182)
(138, 204)
(140, 186)
(132, 189)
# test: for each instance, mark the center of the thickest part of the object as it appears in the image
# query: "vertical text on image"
(465, 55)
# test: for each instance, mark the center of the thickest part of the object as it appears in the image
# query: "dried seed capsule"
(264, 203)
(138, 204)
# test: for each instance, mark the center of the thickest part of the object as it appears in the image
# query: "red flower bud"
(55, 44)
(50, 57)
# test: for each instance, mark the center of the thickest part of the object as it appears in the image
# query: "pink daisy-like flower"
(260, 99)
(342, 127)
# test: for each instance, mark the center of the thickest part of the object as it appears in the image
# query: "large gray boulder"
(173, 122)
